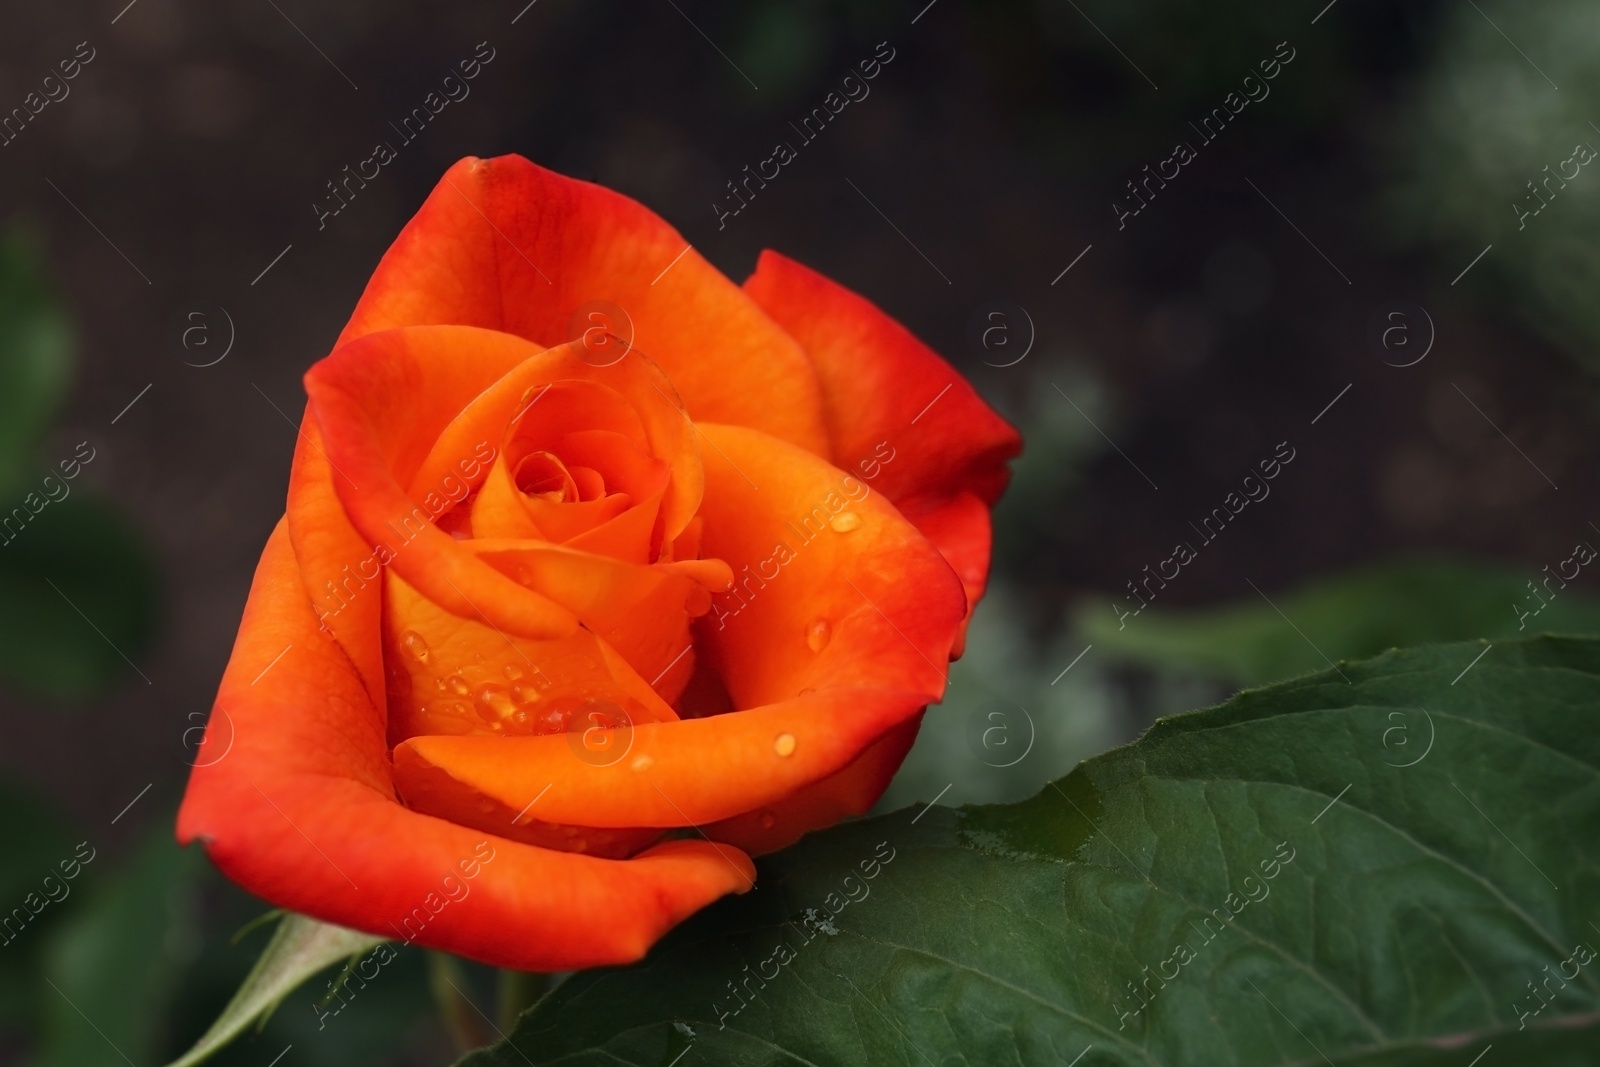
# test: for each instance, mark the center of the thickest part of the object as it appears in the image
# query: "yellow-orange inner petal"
(449, 675)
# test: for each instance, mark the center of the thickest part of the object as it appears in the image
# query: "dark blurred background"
(159, 214)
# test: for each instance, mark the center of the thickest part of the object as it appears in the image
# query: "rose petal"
(433, 791)
(816, 700)
(382, 400)
(832, 586)
(961, 527)
(685, 773)
(505, 244)
(449, 675)
(500, 508)
(300, 811)
(503, 510)
(339, 568)
(888, 394)
(520, 396)
(842, 795)
(642, 612)
(380, 403)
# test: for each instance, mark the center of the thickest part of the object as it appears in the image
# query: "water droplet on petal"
(768, 820)
(818, 635)
(845, 521)
(415, 645)
(642, 762)
(513, 671)
(458, 685)
(458, 708)
(784, 745)
(494, 703)
(524, 694)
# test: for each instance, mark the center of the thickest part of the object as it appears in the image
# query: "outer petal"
(337, 567)
(505, 244)
(847, 793)
(300, 810)
(832, 586)
(886, 392)
(964, 532)
(685, 773)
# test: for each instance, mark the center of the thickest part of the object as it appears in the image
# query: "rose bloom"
(599, 575)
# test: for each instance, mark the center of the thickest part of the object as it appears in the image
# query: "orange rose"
(542, 608)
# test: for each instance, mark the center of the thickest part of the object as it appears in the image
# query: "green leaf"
(299, 949)
(79, 600)
(36, 345)
(110, 969)
(1365, 866)
(1356, 614)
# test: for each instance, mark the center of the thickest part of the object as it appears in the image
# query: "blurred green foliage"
(1032, 516)
(36, 357)
(111, 968)
(1020, 710)
(33, 840)
(140, 957)
(1483, 121)
(79, 589)
(1353, 615)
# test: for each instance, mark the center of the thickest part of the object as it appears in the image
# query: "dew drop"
(642, 762)
(458, 685)
(513, 671)
(494, 703)
(845, 521)
(768, 820)
(784, 744)
(524, 694)
(446, 709)
(415, 645)
(818, 634)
